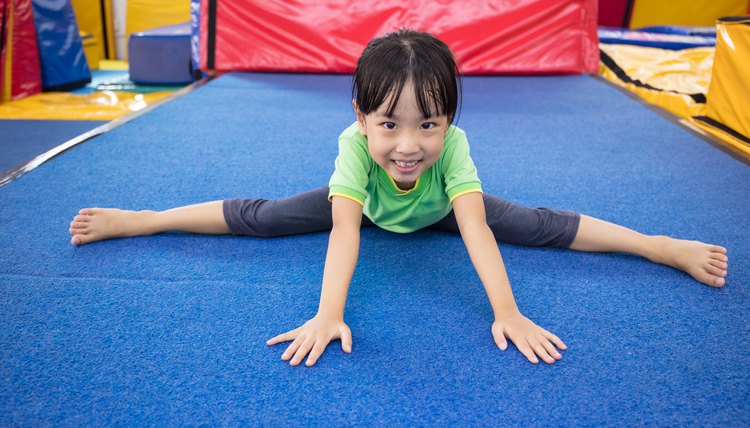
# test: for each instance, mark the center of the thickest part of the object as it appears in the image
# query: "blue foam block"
(161, 56)
(619, 36)
(681, 30)
(61, 54)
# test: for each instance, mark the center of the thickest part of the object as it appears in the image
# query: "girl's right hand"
(312, 338)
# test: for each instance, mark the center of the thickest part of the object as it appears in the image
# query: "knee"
(557, 228)
(248, 217)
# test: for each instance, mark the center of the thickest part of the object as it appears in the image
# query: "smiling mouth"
(406, 167)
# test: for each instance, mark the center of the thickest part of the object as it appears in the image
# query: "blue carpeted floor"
(23, 140)
(172, 328)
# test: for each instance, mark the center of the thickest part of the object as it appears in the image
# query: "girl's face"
(406, 144)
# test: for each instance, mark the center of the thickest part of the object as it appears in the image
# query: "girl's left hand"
(528, 337)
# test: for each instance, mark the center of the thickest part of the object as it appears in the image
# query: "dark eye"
(389, 125)
(428, 125)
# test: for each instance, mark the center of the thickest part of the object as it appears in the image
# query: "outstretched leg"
(96, 224)
(520, 225)
(704, 262)
(302, 213)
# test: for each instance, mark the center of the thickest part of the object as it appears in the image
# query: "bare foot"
(96, 224)
(704, 262)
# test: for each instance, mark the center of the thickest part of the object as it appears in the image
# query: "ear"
(360, 118)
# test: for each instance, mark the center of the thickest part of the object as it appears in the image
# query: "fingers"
(317, 351)
(540, 351)
(315, 346)
(292, 349)
(303, 350)
(554, 339)
(346, 340)
(526, 350)
(302, 345)
(284, 337)
(536, 347)
(550, 352)
(499, 337)
(535, 343)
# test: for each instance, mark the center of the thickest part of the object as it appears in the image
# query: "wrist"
(504, 312)
(331, 314)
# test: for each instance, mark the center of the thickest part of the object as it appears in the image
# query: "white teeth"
(406, 164)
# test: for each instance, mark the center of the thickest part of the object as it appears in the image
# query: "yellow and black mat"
(706, 87)
(727, 112)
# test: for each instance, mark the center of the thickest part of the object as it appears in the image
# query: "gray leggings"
(311, 212)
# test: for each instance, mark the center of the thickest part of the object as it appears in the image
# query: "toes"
(718, 249)
(715, 271)
(79, 225)
(719, 256)
(719, 264)
(712, 280)
(82, 218)
(87, 211)
(713, 276)
(77, 240)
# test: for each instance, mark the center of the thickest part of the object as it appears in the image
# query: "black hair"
(388, 62)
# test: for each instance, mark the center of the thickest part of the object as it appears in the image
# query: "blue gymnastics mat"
(171, 329)
(23, 140)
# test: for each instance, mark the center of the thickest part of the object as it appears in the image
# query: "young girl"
(402, 166)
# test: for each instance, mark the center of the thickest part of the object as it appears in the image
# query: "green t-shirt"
(359, 178)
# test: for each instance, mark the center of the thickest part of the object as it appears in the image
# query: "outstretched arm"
(528, 337)
(328, 324)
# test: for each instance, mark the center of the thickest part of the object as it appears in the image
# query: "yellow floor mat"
(109, 96)
(674, 80)
(101, 105)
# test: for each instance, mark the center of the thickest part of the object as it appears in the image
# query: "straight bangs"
(390, 62)
(381, 80)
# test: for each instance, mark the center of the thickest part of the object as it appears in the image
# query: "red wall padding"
(327, 36)
(24, 56)
(615, 13)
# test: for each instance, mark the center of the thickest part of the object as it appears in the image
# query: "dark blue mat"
(23, 140)
(172, 328)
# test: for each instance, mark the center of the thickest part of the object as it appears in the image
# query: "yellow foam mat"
(729, 92)
(145, 15)
(684, 12)
(95, 17)
(113, 64)
(663, 77)
(727, 138)
(101, 105)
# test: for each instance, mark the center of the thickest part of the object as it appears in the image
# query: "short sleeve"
(350, 177)
(458, 168)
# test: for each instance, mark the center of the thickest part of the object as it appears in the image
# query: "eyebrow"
(395, 116)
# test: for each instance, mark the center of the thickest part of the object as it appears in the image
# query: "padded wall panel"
(195, 32)
(327, 36)
(684, 12)
(62, 58)
(95, 18)
(728, 110)
(615, 13)
(143, 15)
(19, 54)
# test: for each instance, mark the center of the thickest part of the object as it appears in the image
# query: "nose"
(407, 145)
